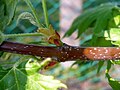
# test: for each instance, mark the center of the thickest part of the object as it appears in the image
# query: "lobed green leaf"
(98, 19)
(24, 75)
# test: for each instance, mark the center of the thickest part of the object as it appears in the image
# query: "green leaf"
(116, 43)
(100, 66)
(108, 66)
(103, 42)
(7, 11)
(36, 16)
(27, 16)
(82, 22)
(92, 18)
(38, 81)
(117, 18)
(42, 82)
(116, 62)
(96, 19)
(24, 75)
(10, 8)
(115, 21)
(1, 53)
(113, 83)
(12, 79)
(113, 35)
(32, 66)
(3, 18)
(1, 37)
(102, 21)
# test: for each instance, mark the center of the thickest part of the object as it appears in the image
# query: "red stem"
(63, 53)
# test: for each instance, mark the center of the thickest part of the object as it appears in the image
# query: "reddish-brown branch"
(63, 53)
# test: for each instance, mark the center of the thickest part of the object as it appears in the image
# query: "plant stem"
(34, 12)
(22, 35)
(59, 53)
(45, 12)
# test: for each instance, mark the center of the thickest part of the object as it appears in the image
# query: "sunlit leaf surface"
(25, 76)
